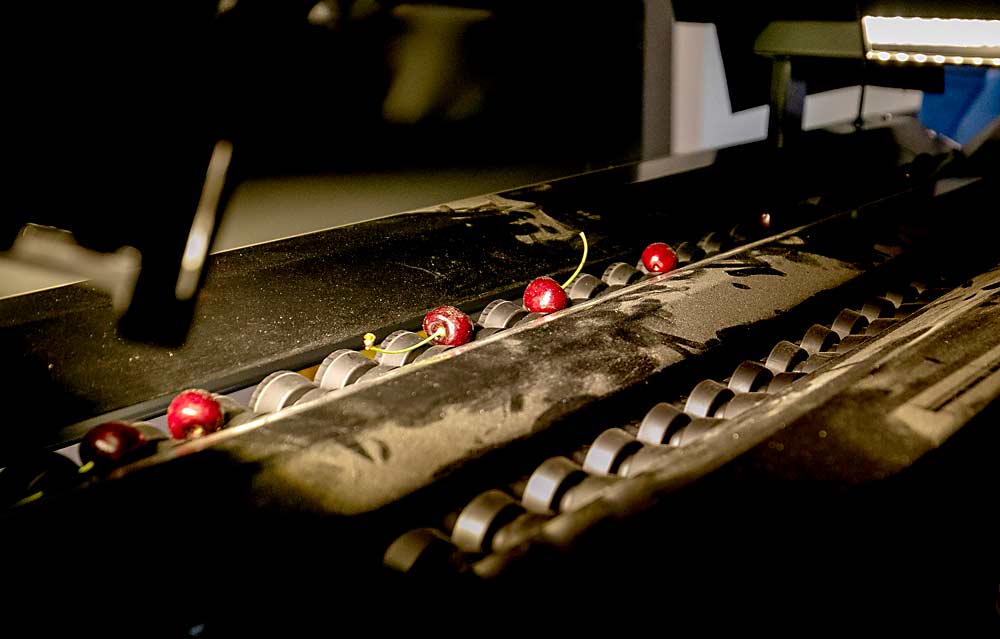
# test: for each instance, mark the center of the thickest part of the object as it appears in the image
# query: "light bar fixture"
(934, 40)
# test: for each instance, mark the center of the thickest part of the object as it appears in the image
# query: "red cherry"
(111, 443)
(544, 295)
(194, 413)
(456, 325)
(659, 258)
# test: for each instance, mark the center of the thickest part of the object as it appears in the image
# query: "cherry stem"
(30, 498)
(583, 260)
(438, 333)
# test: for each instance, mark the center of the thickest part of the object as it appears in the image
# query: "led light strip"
(941, 41)
(920, 58)
(899, 32)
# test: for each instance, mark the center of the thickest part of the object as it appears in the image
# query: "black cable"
(859, 121)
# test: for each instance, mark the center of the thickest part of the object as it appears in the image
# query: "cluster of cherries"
(448, 326)
(195, 412)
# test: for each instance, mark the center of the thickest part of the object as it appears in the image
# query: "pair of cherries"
(545, 295)
(191, 414)
(111, 444)
(448, 326)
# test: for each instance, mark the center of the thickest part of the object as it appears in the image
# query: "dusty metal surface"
(364, 447)
(293, 300)
(288, 303)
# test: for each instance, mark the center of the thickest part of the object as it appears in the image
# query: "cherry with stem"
(545, 295)
(444, 325)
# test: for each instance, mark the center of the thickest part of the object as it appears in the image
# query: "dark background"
(113, 109)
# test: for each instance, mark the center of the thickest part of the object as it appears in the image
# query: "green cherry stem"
(583, 260)
(30, 498)
(370, 343)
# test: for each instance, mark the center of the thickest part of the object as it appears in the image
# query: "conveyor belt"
(496, 521)
(294, 301)
(555, 458)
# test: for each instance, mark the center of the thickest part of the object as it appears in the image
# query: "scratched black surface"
(285, 304)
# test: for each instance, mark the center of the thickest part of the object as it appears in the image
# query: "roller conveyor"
(840, 345)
